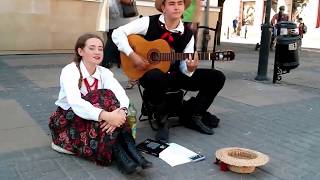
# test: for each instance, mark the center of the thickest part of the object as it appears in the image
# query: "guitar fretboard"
(179, 56)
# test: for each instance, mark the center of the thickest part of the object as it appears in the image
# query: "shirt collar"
(179, 28)
(85, 73)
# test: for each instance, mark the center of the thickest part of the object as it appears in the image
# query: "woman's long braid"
(77, 59)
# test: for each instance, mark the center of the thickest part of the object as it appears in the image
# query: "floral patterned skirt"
(85, 137)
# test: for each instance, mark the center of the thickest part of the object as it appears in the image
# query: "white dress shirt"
(70, 94)
(140, 26)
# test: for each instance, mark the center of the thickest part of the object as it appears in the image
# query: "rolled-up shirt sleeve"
(140, 26)
(69, 81)
(114, 85)
(119, 35)
(183, 65)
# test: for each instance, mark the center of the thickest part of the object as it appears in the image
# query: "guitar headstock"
(227, 55)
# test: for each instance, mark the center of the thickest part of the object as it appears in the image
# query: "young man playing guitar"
(183, 74)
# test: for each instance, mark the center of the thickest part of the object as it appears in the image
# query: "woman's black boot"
(130, 147)
(125, 164)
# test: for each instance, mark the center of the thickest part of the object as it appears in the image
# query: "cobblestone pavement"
(280, 120)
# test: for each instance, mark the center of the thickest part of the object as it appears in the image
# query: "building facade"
(251, 13)
(42, 26)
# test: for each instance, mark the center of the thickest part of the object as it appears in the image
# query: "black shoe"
(129, 144)
(162, 134)
(196, 124)
(210, 120)
(124, 163)
(145, 164)
(257, 46)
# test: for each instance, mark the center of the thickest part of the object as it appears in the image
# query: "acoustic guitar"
(158, 54)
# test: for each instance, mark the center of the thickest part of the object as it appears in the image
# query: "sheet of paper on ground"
(176, 154)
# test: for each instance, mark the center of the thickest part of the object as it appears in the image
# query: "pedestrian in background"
(302, 27)
(280, 16)
(302, 30)
(277, 18)
(234, 25)
(239, 28)
(191, 18)
(115, 20)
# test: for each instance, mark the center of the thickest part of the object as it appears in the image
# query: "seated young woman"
(90, 121)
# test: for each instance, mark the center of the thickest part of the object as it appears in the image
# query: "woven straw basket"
(241, 160)
(242, 170)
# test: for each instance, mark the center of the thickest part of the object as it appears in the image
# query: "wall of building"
(235, 10)
(44, 24)
(31, 26)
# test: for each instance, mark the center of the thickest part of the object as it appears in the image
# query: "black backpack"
(304, 28)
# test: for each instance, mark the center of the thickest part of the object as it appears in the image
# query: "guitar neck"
(180, 56)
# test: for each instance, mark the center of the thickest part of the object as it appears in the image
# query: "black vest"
(157, 29)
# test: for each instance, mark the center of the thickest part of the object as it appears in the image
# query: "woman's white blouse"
(70, 94)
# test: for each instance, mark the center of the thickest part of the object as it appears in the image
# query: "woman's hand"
(115, 118)
(112, 120)
(107, 128)
(192, 64)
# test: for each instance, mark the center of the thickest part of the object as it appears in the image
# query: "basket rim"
(242, 169)
(223, 155)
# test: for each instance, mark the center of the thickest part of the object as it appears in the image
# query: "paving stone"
(11, 158)
(41, 153)
(259, 94)
(262, 174)
(68, 163)
(77, 174)
(8, 173)
(50, 175)
(42, 166)
(33, 60)
(85, 164)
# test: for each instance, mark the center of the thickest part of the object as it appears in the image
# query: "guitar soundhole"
(154, 57)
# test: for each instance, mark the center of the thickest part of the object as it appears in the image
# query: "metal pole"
(245, 31)
(228, 33)
(205, 34)
(264, 48)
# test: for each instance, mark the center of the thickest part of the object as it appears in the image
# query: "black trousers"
(111, 52)
(207, 81)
